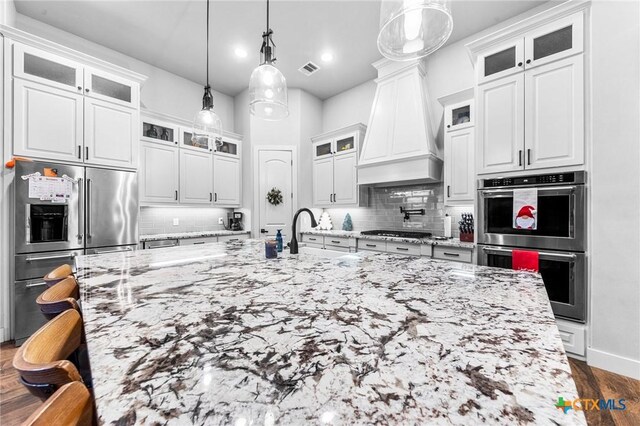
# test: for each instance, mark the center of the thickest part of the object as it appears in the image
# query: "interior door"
(111, 208)
(344, 177)
(196, 177)
(110, 134)
(47, 122)
(275, 170)
(501, 124)
(226, 181)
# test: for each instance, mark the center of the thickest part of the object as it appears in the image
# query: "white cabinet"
(158, 176)
(335, 161)
(226, 180)
(110, 134)
(459, 167)
(530, 93)
(66, 110)
(501, 124)
(554, 114)
(47, 122)
(196, 186)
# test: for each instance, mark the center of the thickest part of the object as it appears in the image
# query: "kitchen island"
(218, 334)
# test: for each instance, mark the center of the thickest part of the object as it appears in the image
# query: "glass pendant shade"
(268, 93)
(207, 127)
(411, 29)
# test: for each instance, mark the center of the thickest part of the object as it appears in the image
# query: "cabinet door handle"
(79, 87)
(79, 152)
(520, 157)
(519, 64)
(448, 190)
(86, 152)
(334, 197)
(402, 248)
(336, 242)
(451, 254)
(371, 245)
(31, 285)
(86, 90)
(210, 197)
(198, 242)
(528, 156)
(528, 61)
(215, 197)
(176, 195)
(312, 239)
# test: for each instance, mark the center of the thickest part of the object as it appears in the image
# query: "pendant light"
(412, 29)
(267, 86)
(207, 126)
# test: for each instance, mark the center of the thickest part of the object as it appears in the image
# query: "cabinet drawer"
(572, 336)
(402, 248)
(456, 254)
(197, 241)
(233, 237)
(369, 245)
(312, 239)
(336, 241)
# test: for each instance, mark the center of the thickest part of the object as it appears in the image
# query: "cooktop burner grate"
(398, 234)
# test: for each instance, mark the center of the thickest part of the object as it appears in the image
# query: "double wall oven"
(560, 237)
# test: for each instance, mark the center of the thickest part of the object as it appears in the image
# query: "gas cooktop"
(398, 234)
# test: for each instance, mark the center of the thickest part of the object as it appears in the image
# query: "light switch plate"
(176, 221)
(220, 221)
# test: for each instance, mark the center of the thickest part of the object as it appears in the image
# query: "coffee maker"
(235, 221)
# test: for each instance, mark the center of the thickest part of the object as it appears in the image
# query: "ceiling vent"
(309, 68)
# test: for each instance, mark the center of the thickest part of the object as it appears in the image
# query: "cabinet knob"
(519, 64)
(448, 126)
(79, 87)
(528, 61)
(86, 90)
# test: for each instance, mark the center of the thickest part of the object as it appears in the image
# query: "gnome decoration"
(324, 224)
(347, 225)
(526, 218)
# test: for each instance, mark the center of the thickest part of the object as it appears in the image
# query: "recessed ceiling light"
(240, 52)
(327, 57)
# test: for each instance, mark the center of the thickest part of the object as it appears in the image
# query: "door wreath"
(274, 197)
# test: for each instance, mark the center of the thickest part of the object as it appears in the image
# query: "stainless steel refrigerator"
(61, 212)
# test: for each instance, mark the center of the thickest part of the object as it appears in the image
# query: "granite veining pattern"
(183, 235)
(453, 242)
(217, 334)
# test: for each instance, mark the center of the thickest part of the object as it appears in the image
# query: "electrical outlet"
(176, 221)
(220, 221)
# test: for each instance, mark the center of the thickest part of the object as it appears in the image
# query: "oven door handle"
(499, 250)
(60, 256)
(540, 189)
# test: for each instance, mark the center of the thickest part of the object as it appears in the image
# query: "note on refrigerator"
(50, 188)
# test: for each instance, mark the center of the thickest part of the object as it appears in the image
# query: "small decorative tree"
(325, 222)
(347, 225)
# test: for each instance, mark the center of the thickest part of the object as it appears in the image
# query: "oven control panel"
(534, 180)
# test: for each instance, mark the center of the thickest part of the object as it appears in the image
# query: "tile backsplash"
(159, 220)
(384, 210)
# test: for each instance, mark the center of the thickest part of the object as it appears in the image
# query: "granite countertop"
(453, 242)
(217, 334)
(183, 235)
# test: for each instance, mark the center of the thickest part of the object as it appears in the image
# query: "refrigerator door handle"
(88, 215)
(80, 230)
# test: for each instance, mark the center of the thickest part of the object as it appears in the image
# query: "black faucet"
(293, 245)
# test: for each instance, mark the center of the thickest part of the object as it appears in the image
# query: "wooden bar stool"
(60, 297)
(42, 360)
(69, 405)
(58, 274)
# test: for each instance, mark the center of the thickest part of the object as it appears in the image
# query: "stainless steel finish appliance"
(560, 238)
(235, 221)
(100, 214)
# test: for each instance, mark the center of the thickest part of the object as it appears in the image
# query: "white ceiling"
(171, 34)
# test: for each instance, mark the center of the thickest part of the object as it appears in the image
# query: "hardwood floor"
(16, 403)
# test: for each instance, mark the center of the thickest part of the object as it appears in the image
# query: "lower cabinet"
(237, 237)
(457, 254)
(371, 245)
(404, 248)
(197, 241)
(158, 177)
(573, 337)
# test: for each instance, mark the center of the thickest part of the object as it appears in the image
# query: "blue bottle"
(279, 240)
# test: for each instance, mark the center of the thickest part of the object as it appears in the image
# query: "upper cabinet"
(530, 93)
(335, 160)
(201, 175)
(459, 168)
(67, 110)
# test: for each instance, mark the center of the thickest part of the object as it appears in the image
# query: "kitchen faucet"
(293, 245)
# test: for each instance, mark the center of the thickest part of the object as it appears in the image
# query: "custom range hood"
(399, 146)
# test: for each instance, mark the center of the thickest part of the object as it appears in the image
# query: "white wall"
(615, 188)
(349, 107)
(162, 92)
(7, 12)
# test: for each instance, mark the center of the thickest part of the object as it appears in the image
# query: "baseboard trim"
(614, 363)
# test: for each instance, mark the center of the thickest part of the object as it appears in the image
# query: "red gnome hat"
(526, 211)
